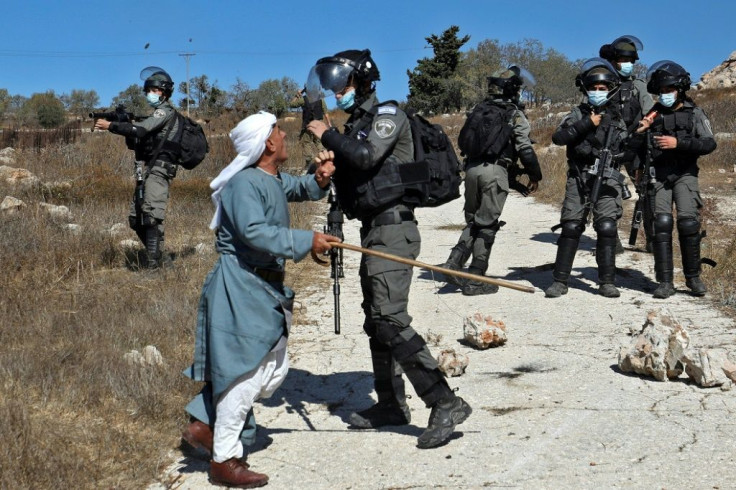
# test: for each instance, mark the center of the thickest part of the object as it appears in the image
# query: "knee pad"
(369, 328)
(606, 227)
(688, 226)
(385, 332)
(572, 229)
(663, 223)
(149, 220)
(488, 235)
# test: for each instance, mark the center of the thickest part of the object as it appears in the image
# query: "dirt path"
(550, 408)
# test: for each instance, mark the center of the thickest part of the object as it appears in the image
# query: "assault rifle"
(642, 182)
(335, 220)
(118, 115)
(139, 190)
(601, 170)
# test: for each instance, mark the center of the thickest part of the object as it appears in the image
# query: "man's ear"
(270, 146)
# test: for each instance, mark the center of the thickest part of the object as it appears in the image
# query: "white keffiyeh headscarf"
(249, 138)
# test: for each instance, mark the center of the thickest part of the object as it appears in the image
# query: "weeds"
(76, 415)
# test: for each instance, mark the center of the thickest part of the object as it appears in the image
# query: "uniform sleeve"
(701, 142)
(573, 128)
(521, 131)
(244, 204)
(386, 129)
(155, 121)
(646, 101)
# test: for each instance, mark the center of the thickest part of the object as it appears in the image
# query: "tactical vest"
(365, 193)
(679, 124)
(586, 151)
(627, 99)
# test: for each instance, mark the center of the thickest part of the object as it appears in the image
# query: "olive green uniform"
(675, 181)
(366, 145)
(148, 135)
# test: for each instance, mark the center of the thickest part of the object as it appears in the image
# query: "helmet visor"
(629, 40)
(149, 71)
(667, 66)
(527, 79)
(327, 79)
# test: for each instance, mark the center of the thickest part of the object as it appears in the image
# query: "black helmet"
(155, 77)
(625, 46)
(508, 81)
(667, 73)
(597, 70)
(334, 73)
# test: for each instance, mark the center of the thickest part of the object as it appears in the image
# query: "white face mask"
(668, 100)
(153, 99)
(597, 97)
(626, 68)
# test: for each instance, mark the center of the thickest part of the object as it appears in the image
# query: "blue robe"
(241, 316)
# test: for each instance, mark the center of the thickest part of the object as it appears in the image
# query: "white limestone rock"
(483, 331)
(658, 348)
(451, 363)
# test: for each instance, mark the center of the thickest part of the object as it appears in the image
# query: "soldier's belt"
(392, 217)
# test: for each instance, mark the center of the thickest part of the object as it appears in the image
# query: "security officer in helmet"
(680, 134)
(634, 102)
(487, 178)
(376, 139)
(585, 131)
(148, 137)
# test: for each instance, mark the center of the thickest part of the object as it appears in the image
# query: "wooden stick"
(450, 272)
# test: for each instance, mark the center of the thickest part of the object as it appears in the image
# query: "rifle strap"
(160, 145)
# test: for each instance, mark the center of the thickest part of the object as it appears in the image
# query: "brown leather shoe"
(199, 435)
(235, 473)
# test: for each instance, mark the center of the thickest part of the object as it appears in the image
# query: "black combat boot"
(689, 233)
(481, 254)
(458, 256)
(475, 288)
(605, 257)
(567, 247)
(391, 408)
(153, 247)
(662, 248)
(445, 415)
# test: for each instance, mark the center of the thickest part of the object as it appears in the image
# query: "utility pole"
(187, 56)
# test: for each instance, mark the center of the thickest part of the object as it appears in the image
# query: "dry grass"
(76, 414)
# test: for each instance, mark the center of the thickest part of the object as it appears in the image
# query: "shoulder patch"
(159, 113)
(384, 128)
(387, 109)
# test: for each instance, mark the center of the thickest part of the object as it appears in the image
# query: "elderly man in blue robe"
(245, 310)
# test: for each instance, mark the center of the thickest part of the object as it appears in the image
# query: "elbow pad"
(356, 152)
(564, 136)
(127, 129)
(699, 146)
(529, 159)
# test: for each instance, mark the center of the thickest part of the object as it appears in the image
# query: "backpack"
(486, 131)
(190, 143)
(433, 178)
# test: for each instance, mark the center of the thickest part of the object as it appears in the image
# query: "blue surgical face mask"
(153, 99)
(597, 97)
(668, 100)
(626, 68)
(346, 101)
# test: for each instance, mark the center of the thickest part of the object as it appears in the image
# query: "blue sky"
(66, 45)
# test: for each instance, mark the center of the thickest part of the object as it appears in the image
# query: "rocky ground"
(551, 407)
